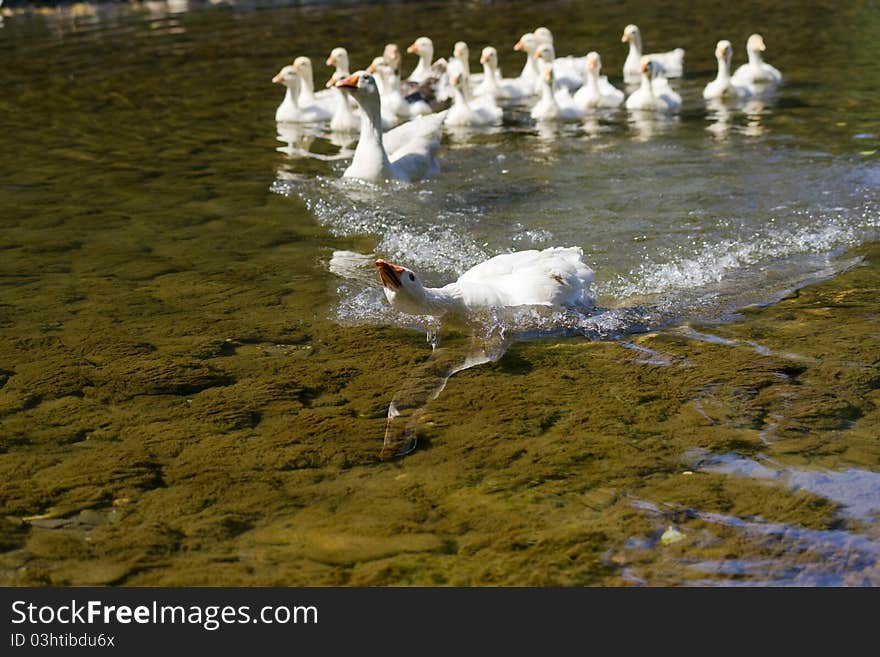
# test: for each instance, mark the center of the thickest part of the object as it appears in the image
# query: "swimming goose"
(555, 277)
(722, 86)
(413, 154)
(757, 71)
(529, 78)
(477, 112)
(597, 91)
(461, 62)
(568, 71)
(671, 64)
(553, 105)
(344, 119)
(424, 48)
(493, 84)
(290, 110)
(393, 102)
(307, 96)
(654, 94)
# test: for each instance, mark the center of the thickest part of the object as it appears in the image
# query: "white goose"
(493, 84)
(555, 277)
(344, 119)
(393, 103)
(554, 104)
(568, 71)
(481, 111)
(757, 71)
(654, 94)
(424, 48)
(290, 110)
(723, 86)
(411, 153)
(529, 78)
(671, 62)
(597, 91)
(307, 96)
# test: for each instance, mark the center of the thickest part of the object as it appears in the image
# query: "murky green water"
(188, 394)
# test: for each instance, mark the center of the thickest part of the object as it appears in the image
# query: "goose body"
(411, 154)
(568, 71)
(757, 71)
(290, 110)
(554, 277)
(668, 64)
(723, 85)
(654, 94)
(596, 91)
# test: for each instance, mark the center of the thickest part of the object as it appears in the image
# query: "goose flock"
(400, 122)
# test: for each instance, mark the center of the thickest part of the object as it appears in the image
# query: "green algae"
(228, 460)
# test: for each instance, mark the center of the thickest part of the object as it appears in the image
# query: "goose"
(343, 119)
(671, 64)
(493, 84)
(461, 55)
(412, 152)
(597, 91)
(307, 96)
(568, 71)
(393, 103)
(722, 86)
(290, 110)
(530, 77)
(480, 112)
(654, 94)
(424, 48)
(553, 105)
(757, 71)
(556, 277)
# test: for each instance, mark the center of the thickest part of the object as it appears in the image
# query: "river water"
(192, 390)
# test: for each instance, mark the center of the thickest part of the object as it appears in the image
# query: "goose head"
(724, 55)
(594, 62)
(632, 36)
(402, 288)
(489, 56)
(423, 47)
(527, 42)
(303, 66)
(649, 67)
(544, 53)
(461, 52)
(392, 56)
(288, 77)
(361, 85)
(754, 47)
(543, 35)
(756, 43)
(338, 58)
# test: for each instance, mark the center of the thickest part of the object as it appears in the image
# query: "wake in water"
(649, 276)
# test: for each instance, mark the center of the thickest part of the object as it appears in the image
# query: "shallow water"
(193, 390)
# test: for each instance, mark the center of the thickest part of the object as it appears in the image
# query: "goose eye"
(412, 277)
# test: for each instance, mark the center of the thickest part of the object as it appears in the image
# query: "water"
(180, 274)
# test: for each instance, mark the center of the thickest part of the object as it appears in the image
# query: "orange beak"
(484, 59)
(278, 78)
(519, 45)
(390, 274)
(331, 60)
(413, 48)
(331, 82)
(624, 38)
(351, 82)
